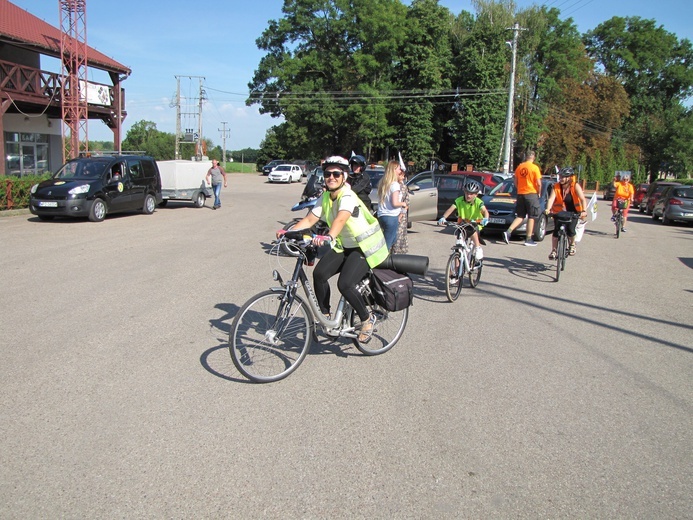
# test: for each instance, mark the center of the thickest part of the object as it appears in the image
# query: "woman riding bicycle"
(357, 243)
(624, 192)
(567, 203)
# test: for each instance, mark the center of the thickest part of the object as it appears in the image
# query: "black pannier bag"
(392, 290)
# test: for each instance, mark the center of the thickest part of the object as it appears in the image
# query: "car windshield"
(81, 169)
(283, 168)
(507, 187)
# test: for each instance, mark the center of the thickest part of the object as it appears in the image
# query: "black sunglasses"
(334, 174)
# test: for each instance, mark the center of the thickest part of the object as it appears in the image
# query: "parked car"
(488, 180)
(286, 173)
(640, 191)
(609, 191)
(674, 204)
(97, 186)
(306, 166)
(423, 195)
(267, 168)
(653, 192)
(500, 204)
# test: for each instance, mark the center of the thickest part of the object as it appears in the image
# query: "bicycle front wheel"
(389, 327)
(560, 255)
(619, 224)
(475, 271)
(453, 280)
(269, 339)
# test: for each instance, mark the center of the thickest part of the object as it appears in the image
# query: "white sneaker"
(479, 253)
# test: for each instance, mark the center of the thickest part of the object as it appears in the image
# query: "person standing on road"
(528, 185)
(390, 203)
(401, 245)
(218, 177)
(359, 180)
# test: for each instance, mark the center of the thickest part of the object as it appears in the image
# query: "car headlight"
(84, 188)
(34, 188)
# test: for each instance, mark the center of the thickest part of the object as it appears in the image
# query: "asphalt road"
(526, 398)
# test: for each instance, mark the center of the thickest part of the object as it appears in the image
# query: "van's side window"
(135, 169)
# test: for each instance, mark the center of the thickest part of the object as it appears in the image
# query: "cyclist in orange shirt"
(624, 191)
(528, 184)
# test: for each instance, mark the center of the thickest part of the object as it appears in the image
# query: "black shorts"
(527, 205)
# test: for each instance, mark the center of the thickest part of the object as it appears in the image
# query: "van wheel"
(200, 200)
(98, 211)
(540, 228)
(149, 204)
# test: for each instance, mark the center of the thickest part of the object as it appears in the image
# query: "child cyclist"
(469, 207)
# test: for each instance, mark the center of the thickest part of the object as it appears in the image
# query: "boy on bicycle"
(470, 208)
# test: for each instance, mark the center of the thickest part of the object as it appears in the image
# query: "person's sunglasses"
(335, 174)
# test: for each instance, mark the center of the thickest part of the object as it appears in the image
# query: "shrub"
(14, 191)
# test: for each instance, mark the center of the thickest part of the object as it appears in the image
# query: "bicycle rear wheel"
(452, 274)
(389, 327)
(268, 340)
(475, 268)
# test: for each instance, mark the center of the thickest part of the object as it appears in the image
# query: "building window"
(26, 154)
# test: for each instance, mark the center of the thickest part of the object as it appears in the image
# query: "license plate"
(48, 204)
(497, 220)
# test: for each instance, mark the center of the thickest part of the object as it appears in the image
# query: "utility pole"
(224, 135)
(190, 135)
(507, 146)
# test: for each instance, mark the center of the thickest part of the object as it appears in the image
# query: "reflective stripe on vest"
(366, 231)
(559, 205)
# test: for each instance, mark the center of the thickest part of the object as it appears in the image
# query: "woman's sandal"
(571, 251)
(553, 255)
(367, 329)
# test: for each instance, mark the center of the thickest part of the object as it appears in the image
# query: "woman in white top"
(390, 203)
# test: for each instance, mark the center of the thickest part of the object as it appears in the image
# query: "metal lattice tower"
(73, 49)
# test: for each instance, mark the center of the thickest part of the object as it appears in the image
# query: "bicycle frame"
(290, 288)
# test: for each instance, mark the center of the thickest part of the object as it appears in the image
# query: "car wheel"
(163, 203)
(540, 228)
(200, 200)
(641, 209)
(654, 215)
(665, 220)
(98, 211)
(149, 204)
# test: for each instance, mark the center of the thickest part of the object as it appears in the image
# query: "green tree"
(656, 70)
(143, 136)
(324, 61)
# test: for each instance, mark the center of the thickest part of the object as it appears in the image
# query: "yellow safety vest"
(364, 228)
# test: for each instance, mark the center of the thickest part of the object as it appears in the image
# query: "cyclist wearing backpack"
(469, 207)
(356, 241)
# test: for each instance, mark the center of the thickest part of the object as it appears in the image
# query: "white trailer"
(185, 180)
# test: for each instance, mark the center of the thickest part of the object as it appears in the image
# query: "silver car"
(675, 204)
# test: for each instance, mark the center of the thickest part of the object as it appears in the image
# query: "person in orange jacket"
(567, 203)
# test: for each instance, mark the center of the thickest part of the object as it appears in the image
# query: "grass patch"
(237, 167)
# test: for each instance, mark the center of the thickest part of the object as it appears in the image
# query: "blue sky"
(216, 40)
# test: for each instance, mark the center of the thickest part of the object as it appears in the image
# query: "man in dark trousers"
(359, 180)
